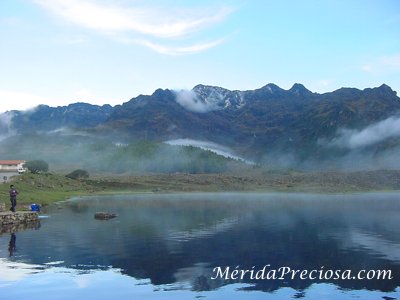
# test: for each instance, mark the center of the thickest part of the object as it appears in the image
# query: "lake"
(188, 246)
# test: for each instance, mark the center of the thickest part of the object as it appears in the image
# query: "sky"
(57, 52)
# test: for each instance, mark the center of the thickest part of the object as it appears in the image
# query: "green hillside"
(66, 153)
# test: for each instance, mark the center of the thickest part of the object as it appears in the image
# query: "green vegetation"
(37, 166)
(45, 188)
(142, 157)
(66, 154)
(78, 174)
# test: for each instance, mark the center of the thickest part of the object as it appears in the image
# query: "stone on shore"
(104, 215)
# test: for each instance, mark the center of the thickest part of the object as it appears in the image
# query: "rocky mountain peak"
(219, 97)
(272, 88)
(299, 89)
(387, 90)
(383, 91)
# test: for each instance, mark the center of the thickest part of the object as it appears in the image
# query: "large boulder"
(104, 215)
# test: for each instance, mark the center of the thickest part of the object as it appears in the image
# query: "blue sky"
(57, 52)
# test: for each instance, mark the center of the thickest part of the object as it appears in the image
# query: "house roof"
(11, 162)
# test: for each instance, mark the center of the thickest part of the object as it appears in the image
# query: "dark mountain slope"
(252, 123)
(45, 118)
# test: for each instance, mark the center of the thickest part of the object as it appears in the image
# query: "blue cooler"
(35, 207)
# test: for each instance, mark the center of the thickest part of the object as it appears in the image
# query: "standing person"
(13, 197)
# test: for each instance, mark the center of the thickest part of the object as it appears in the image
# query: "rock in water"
(104, 216)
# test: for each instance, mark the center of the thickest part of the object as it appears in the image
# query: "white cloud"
(178, 50)
(161, 23)
(20, 100)
(189, 100)
(373, 134)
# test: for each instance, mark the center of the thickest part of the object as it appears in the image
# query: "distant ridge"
(252, 122)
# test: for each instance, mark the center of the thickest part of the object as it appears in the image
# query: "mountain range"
(254, 123)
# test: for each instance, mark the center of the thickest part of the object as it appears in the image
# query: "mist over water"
(171, 243)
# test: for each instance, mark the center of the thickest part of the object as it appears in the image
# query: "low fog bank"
(65, 153)
(209, 146)
(374, 147)
(371, 135)
(6, 129)
(352, 161)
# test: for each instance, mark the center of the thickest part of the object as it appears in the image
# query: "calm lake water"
(167, 246)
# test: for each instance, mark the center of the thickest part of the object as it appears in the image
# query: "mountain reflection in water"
(178, 239)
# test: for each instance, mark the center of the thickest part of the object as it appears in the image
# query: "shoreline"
(48, 188)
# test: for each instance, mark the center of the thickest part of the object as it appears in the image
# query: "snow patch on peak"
(219, 97)
(204, 98)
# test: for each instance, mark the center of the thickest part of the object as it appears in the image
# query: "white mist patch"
(6, 125)
(120, 144)
(190, 101)
(60, 130)
(372, 134)
(210, 146)
(66, 131)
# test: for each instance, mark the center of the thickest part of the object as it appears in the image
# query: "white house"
(12, 165)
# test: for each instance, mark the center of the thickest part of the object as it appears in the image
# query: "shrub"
(37, 166)
(78, 174)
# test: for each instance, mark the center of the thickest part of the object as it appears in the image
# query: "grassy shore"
(260, 180)
(47, 188)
